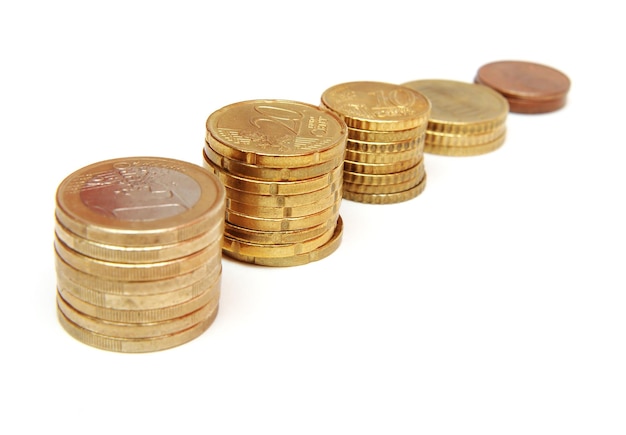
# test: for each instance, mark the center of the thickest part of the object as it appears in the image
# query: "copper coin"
(529, 87)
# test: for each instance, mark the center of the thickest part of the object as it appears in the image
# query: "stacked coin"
(466, 118)
(528, 87)
(281, 163)
(138, 253)
(385, 147)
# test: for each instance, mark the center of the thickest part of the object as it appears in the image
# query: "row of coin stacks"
(282, 165)
(466, 119)
(384, 160)
(138, 253)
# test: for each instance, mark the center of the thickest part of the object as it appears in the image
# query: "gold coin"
(139, 271)
(385, 188)
(137, 254)
(276, 133)
(333, 190)
(416, 144)
(377, 106)
(276, 237)
(386, 198)
(434, 139)
(134, 345)
(382, 179)
(280, 212)
(270, 174)
(132, 288)
(140, 201)
(381, 158)
(135, 330)
(284, 224)
(296, 260)
(137, 302)
(356, 134)
(276, 188)
(382, 168)
(462, 108)
(246, 248)
(465, 150)
(143, 316)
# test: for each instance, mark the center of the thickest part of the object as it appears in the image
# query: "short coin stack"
(281, 163)
(466, 119)
(384, 151)
(138, 253)
(528, 87)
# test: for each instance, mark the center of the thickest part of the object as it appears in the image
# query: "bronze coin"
(529, 87)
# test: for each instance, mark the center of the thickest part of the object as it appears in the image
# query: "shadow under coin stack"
(138, 253)
(466, 119)
(384, 161)
(281, 163)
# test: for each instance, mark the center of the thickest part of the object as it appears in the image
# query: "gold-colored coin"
(136, 302)
(377, 106)
(246, 248)
(132, 288)
(277, 237)
(276, 133)
(300, 259)
(381, 168)
(275, 188)
(139, 271)
(381, 158)
(416, 144)
(434, 139)
(142, 316)
(385, 188)
(356, 134)
(135, 330)
(140, 201)
(137, 254)
(382, 179)
(284, 224)
(387, 198)
(134, 345)
(332, 190)
(462, 108)
(466, 150)
(270, 174)
(281, 212)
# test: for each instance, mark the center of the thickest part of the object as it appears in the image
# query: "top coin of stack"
(281, 162)
(529, 87)
(138, 253)
(466, 118)
(384, 151)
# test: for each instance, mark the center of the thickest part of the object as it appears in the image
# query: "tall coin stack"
(384, 151)
(466, 119)
(281, 163)
(138, 253)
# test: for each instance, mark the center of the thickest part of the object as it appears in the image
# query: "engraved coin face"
(140, 192)
(276, 127)
(377, 105)
(140, 201)
(460, 102)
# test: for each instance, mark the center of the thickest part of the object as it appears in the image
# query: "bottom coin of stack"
(466, 119)
(384, 149)
(138, 253)
(281, 164)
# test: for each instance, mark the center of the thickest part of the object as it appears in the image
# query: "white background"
(493, 303)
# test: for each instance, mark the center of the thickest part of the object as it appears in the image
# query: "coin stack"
(138, 253)
(466, 119)
(281, 163)
(528, 87)
(384, 161)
